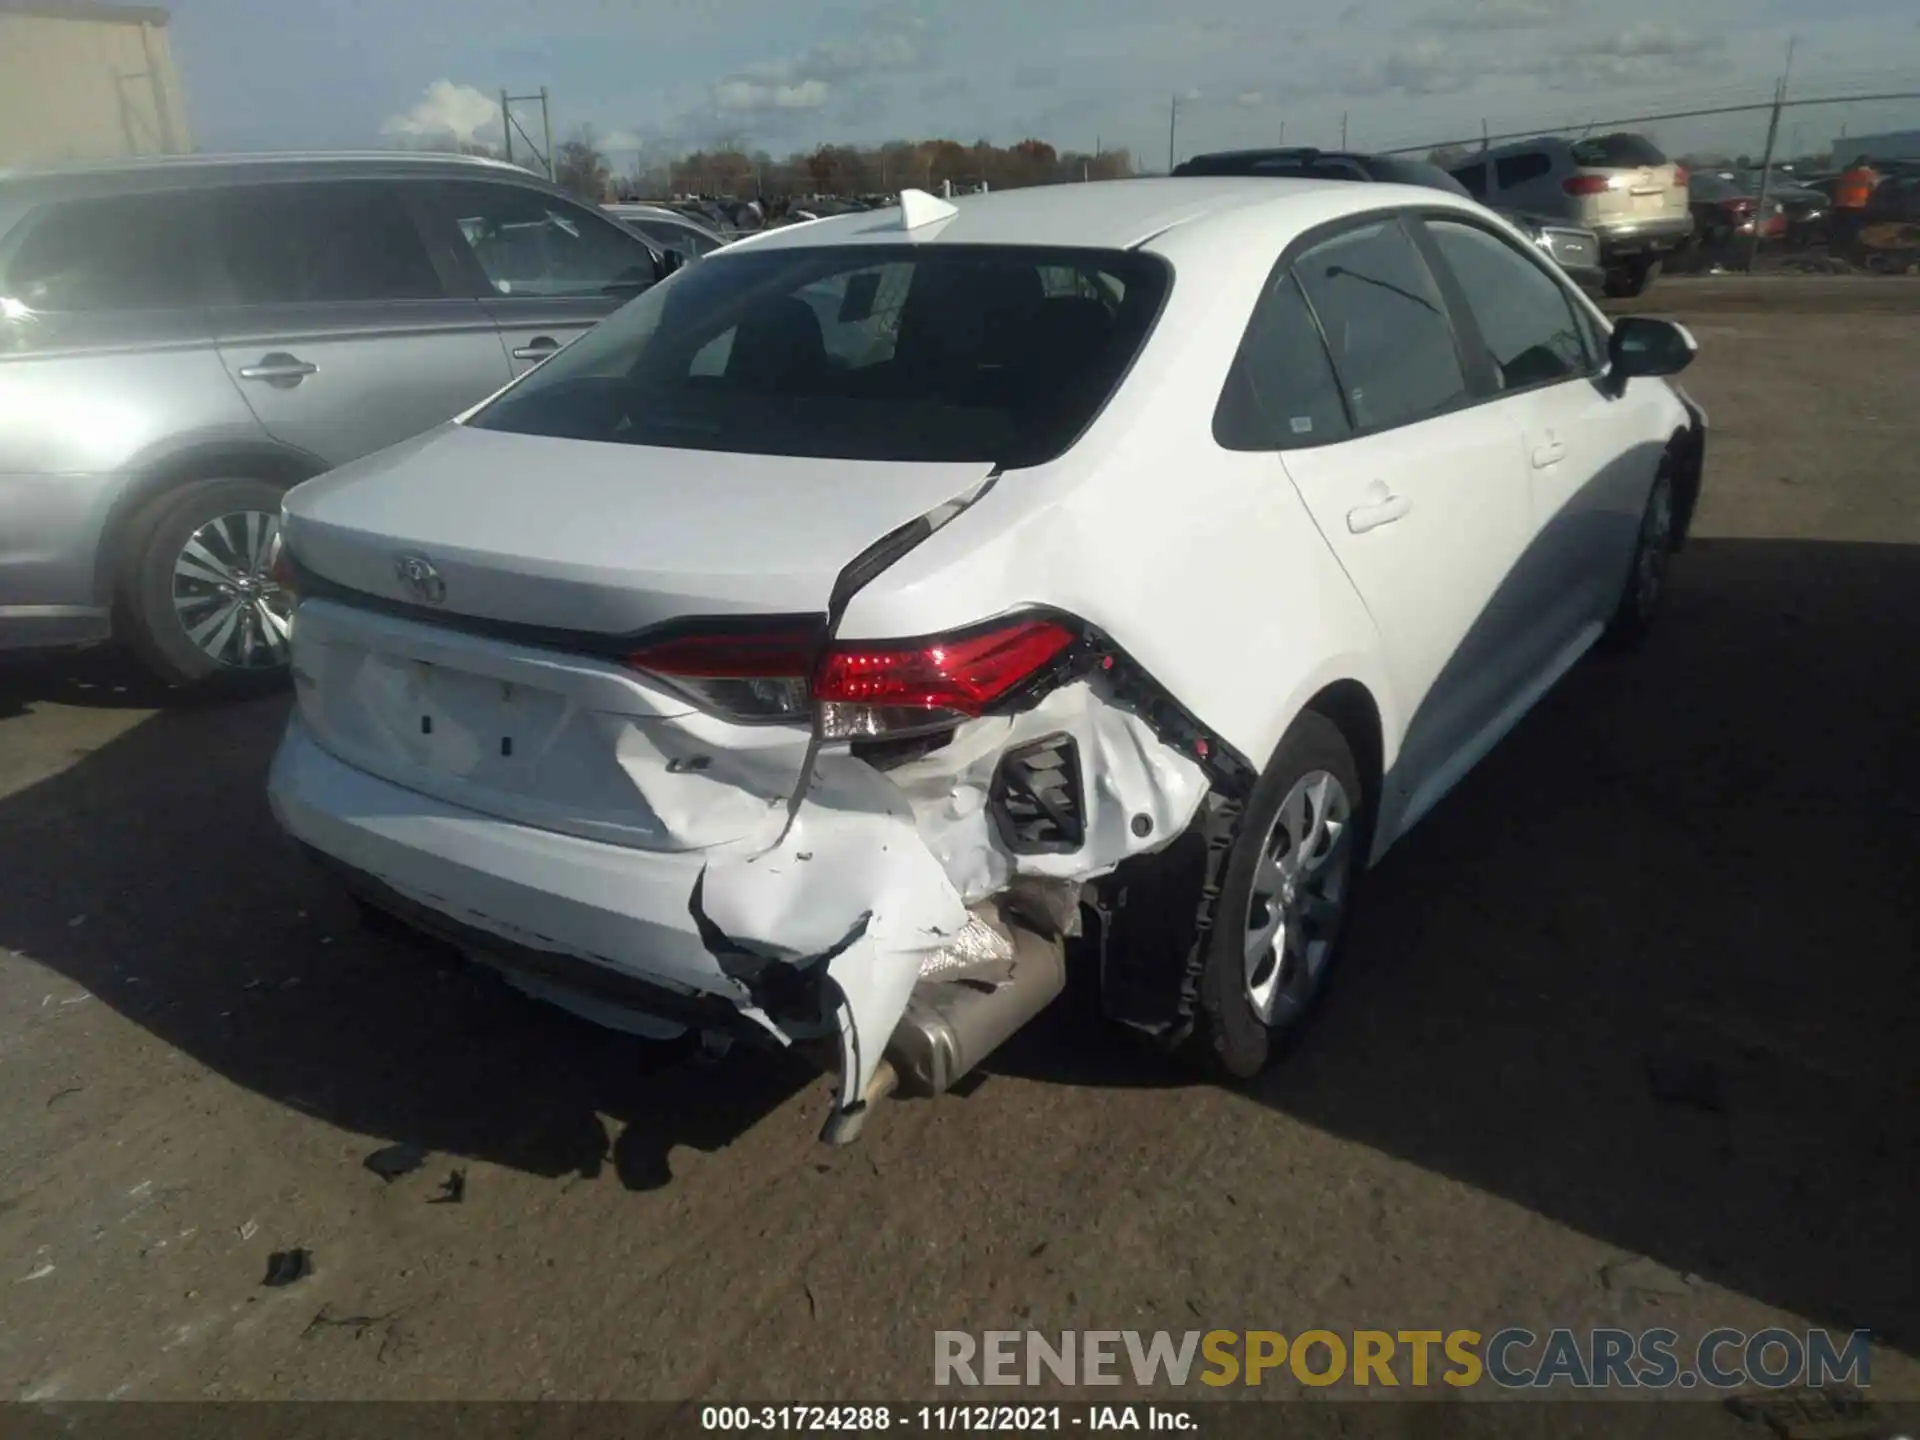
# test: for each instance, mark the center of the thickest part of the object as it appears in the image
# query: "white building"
(1894, 145)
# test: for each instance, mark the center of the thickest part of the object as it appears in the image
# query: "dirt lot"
(1698, 862)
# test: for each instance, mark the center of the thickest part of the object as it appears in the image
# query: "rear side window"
(931, 353)
(1512, 170)
(1281, 393)
(527, 242)
(1389, 334)
(1474, 178)
(1524, 316)
(122, 252)
(1621, 151)
(322, 243)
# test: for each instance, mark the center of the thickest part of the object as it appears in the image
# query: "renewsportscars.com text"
(1512, 1358)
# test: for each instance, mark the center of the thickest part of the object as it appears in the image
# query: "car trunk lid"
(471, 595)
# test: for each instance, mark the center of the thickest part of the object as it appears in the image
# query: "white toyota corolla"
(814, 649)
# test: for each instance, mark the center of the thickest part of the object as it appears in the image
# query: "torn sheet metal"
(1139, 794)
(857, 887)
(876, 872)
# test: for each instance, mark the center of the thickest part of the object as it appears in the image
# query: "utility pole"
(508, 124)
(1766, 172)
(1343, 129)
(546, 128)
(1283, 131)
(1173, 118)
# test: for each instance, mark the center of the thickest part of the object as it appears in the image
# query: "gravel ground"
(1701, 861)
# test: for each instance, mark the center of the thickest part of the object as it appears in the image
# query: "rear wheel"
(1283, 909)
(1628, 278)
(201, 607)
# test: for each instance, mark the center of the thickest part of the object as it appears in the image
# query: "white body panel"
(1451, 568)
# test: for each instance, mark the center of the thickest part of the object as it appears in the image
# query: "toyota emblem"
(422, 581)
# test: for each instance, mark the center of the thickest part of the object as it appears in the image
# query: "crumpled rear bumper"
(876, 889)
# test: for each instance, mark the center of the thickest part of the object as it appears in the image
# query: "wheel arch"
(1686, 449)
(242, 460)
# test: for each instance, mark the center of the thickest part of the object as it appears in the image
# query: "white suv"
(1622, 187)
(814, 649)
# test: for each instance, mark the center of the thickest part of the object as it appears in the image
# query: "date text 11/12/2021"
(944, 1419)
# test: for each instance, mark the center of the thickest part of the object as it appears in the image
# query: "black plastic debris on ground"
(284, 1267)
(453, 1189)
(1674, 1081)
(390, 1162)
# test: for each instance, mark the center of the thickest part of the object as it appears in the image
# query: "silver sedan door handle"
(279, 366)
(1382, 508)
(538, 348)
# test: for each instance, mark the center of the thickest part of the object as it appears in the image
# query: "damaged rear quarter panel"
(1202, 563)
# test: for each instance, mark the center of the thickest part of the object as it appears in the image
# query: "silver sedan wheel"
(1299, 895)
(1656, 546)
(224, 594)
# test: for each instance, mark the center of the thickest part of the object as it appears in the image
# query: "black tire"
(1631, 278)
(1229, 1036)
(1646, 580)
(148, 621)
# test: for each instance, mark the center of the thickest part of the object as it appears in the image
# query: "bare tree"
(581, 167)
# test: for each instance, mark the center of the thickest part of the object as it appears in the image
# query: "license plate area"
(476, 728)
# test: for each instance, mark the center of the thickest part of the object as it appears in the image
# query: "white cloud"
(623, 140)
(1250, 98)
(447, 110)
(744, 95)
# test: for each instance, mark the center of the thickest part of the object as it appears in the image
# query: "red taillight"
(1587, 185)
(747, 674)
(963, 674)
(861, 688)
(1680, 177)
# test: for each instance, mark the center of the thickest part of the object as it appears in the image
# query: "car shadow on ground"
(152, 875)
(1650, 971)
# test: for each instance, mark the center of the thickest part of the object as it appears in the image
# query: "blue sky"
(654, 76)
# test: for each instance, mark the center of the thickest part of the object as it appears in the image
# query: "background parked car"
(1620, 186)
(667, 230)
(1725, 210)
(181, 340)
(1575, 249)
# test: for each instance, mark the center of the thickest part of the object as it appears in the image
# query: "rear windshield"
(931, 353)
(1615, 152)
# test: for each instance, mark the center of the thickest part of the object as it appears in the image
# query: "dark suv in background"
(1575, 249)
(183, 339)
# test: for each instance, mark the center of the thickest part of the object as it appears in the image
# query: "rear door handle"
(1383, 509)
(279, 366)
(538, 348)
(1549, 452)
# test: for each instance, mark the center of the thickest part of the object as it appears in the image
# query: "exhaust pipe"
(950, 1026)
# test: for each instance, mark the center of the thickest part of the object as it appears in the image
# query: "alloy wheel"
(1299, 895)
(224, 594)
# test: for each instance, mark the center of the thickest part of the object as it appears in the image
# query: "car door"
(1421, 494)
(338, 326)
(1588, 476)
(547, 269)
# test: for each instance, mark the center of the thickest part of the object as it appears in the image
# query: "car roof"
(1101, 215)
(31, 184)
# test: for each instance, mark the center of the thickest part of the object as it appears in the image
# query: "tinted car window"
(1617, 151)
(322, 243)
(1514, 170)
(881, 353)
(1473, 177)
(1389, 334)
(527, 242)
(124, 252)
(1525, 318)
(1281, 392)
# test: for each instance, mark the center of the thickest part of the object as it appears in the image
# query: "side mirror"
(1640, 346)
(670, 261)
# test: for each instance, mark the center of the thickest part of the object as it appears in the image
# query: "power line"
(1650, 119)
